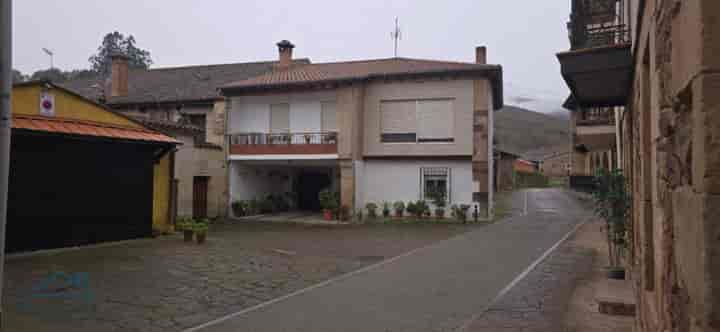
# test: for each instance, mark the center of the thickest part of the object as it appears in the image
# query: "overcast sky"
(521, 35)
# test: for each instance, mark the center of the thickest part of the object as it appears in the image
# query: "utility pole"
(5, 125)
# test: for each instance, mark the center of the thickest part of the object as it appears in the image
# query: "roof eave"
(493, 72)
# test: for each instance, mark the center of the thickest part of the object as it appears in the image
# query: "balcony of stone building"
(282, 146)
(598, 67)
(594, 129)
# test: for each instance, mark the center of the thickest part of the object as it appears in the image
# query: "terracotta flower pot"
(200, 237)
(327, 215)
(188, 235)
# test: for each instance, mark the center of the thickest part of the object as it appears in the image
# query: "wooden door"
(200, 193)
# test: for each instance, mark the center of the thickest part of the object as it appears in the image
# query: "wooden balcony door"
(200, 196)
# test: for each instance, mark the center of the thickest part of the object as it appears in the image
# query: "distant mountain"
(560, 113)
(522, 131)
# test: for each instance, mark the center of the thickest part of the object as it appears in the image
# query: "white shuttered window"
(398, 121)
(435, 120)
(279, 118)
(413, 121)
(329, 116)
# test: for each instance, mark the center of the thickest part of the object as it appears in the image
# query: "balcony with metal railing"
(598, 23)
(598, 66)
(307, 143)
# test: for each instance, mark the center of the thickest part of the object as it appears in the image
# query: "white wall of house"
(394, 180)
(252, 113)
(252, 181)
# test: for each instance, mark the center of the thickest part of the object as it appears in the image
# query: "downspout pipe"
(5, 125)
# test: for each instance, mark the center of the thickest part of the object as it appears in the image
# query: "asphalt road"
(436, 288)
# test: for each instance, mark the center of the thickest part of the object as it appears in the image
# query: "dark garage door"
(67, 192)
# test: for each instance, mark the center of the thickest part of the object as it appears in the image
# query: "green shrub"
(184, 223)
(460, 212)
(386, 209)
(329, 200)
(200, 227)
(419, 208)
(240, 208)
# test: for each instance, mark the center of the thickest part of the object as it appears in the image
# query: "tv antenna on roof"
(396, 35)
(51, 54)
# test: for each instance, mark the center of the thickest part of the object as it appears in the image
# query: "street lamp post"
(5, 124)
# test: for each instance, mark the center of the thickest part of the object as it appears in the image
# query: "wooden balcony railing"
(596, 117)
(284, 143)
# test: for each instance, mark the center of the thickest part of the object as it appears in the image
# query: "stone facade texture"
(671, 146)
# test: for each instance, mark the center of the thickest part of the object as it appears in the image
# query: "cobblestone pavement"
(538, 303)
(168, 285)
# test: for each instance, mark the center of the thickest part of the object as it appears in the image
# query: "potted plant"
(200, 229)
(239, 208)
(185, 224)
(612, 204)
(439, 201)
(329, 203)
(372, 210)
(421, 209)
(459, 212)
(399, 208)
(386, 209)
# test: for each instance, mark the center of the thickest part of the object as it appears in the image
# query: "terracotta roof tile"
(333, 72)
(87, 128)
(337, 71)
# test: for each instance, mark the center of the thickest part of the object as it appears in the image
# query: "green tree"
(17, 76)
(114, 43)
(52, 75)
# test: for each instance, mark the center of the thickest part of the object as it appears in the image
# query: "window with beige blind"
(434, 120)
(413, 121)
(280, 118)
(329, 116)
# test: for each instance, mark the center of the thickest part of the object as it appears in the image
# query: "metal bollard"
(476, 213)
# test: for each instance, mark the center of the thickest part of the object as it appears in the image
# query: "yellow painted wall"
(161, 194)
(26, 101)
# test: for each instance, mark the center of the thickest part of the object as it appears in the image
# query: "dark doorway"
(308, 187)
(200, 193)
(65, 192)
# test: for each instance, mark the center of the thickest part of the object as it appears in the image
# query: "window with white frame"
(435, 182)
(416, 121)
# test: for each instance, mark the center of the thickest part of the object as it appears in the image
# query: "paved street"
(168, 285)
(436, 288)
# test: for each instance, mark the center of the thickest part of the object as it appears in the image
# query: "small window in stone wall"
(435, 181)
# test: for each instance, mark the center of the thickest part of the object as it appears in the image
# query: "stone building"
(183, 102)
(660, 60)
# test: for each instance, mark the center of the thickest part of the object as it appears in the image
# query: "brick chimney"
(118, 75)
(481, 55)
(285, 47)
